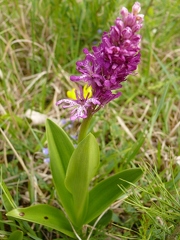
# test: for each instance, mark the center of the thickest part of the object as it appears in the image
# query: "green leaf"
(8, 201)
(16, 235)
(59, 141)
(107, 191)
(104, 220)
(60, 150)
(9, 204)
(81, 169)
(135, 149)
(159, 108)
(45, 215)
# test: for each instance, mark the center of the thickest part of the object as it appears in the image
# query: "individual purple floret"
(109, 64)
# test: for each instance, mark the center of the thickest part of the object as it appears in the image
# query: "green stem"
(84, 128)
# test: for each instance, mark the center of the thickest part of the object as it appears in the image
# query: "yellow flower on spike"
(87, 92)
(72, 94)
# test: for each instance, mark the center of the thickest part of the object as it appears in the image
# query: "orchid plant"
(101, 75)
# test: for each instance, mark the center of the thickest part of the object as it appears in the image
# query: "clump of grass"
(157, 202)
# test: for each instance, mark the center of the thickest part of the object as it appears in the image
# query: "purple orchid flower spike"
(109, 64)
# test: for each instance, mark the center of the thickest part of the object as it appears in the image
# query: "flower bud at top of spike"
(124, 12)
(136, 8)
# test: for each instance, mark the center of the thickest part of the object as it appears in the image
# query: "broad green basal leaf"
(107, 191)
(59, 143)
(81, 169)
(45, 215)
(60, 151)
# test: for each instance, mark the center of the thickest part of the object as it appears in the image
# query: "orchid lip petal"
(68, 101)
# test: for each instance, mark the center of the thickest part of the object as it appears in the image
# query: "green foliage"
(72, 171)
(82, 167)
(8, 202)
(10, 205)
(45, 215)
(60, 151)
(18, 235)
(72, 186)
(107, 191)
